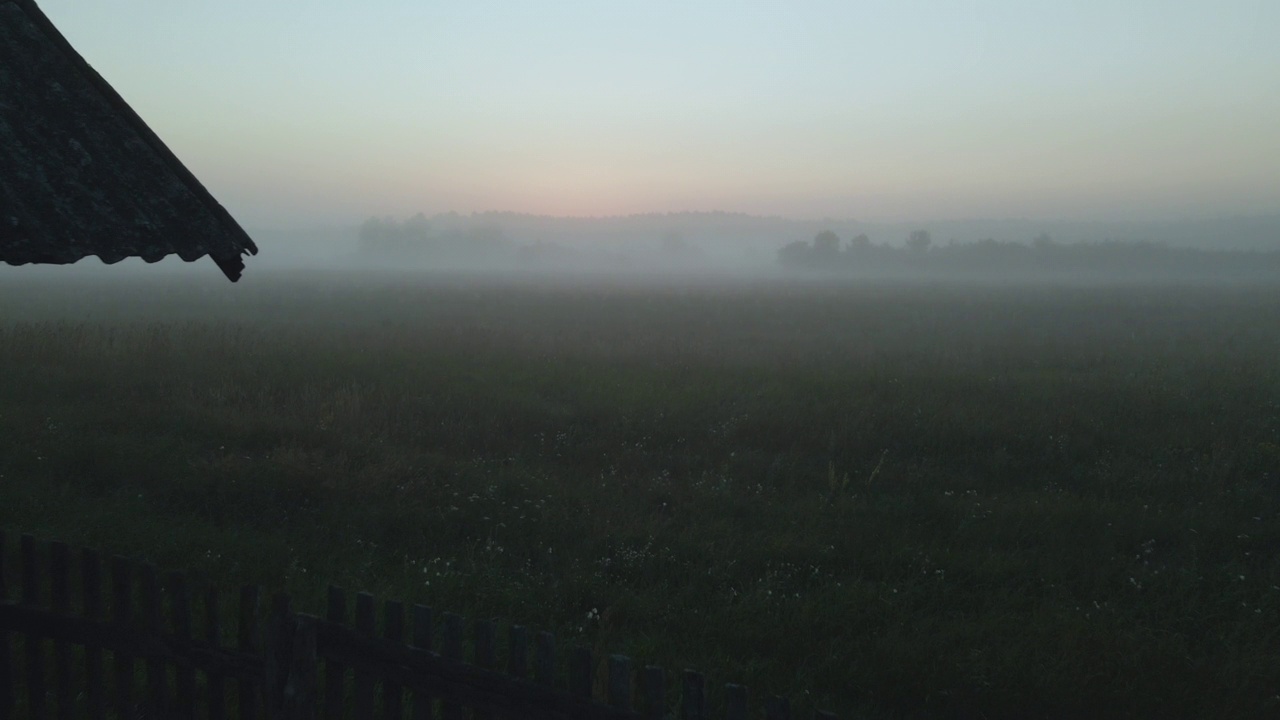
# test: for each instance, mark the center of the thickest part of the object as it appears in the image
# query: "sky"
(297, 113)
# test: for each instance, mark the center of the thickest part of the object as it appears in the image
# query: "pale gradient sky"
(300, 112)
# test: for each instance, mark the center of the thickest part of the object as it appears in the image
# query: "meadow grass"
(903, 501)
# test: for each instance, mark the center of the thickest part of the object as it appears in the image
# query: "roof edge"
(231, 265)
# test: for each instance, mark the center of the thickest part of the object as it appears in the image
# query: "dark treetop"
(81, 174)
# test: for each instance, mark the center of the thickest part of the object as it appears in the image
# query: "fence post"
(278, 653)
(298, 695)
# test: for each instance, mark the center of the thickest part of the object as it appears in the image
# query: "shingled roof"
(81, 174)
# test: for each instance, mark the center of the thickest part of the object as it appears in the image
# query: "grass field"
(908, 501)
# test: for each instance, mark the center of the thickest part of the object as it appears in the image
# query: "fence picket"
(247, 691)
(393, 630)
(452, 647)
(60, 602)
(6, 664)
(693, 699)
(298, 701)
(422, 639)
(619, 694)
(655, 693)
(486, 655)
(279, 640)
(334, 671)
(777, 708)
(217, 684)
(180, 614)
(34, 646)
(363, 698)
(91, 590)
(517, 657)
(581, 673)
(518, 652)
(735, 702)
(122, 614)
(544, 658)
(157, 676)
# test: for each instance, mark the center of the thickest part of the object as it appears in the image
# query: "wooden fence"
(116, 639)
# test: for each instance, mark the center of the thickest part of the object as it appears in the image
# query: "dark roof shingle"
(81, 174)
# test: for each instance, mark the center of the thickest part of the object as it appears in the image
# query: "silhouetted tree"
(826, 245)
(919, 240)
(859, 242)
(795, 253)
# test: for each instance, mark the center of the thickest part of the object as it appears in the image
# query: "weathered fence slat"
(91, 590)
(777, 708)
(30, 570)
(517, 657)
(486, 655)
(693, 698)
(619, 687)
(655, 692)
(34, 646)
(278, 653)
(452, 646)
(544, 658)
(247, 691)
(6, 662)
(518, 652)
(581, 673)
(334, 671)
(60, 602)
(122, 614)
(215, 682)
(363, 697)
(185, 679)
(298, 700)
(157, 676)
(422, 639)
(735, 702)
(393, 630)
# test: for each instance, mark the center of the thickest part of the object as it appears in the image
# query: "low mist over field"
(936, 500)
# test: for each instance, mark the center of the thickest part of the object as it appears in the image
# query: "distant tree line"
(416, 237)
(1041, 255)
